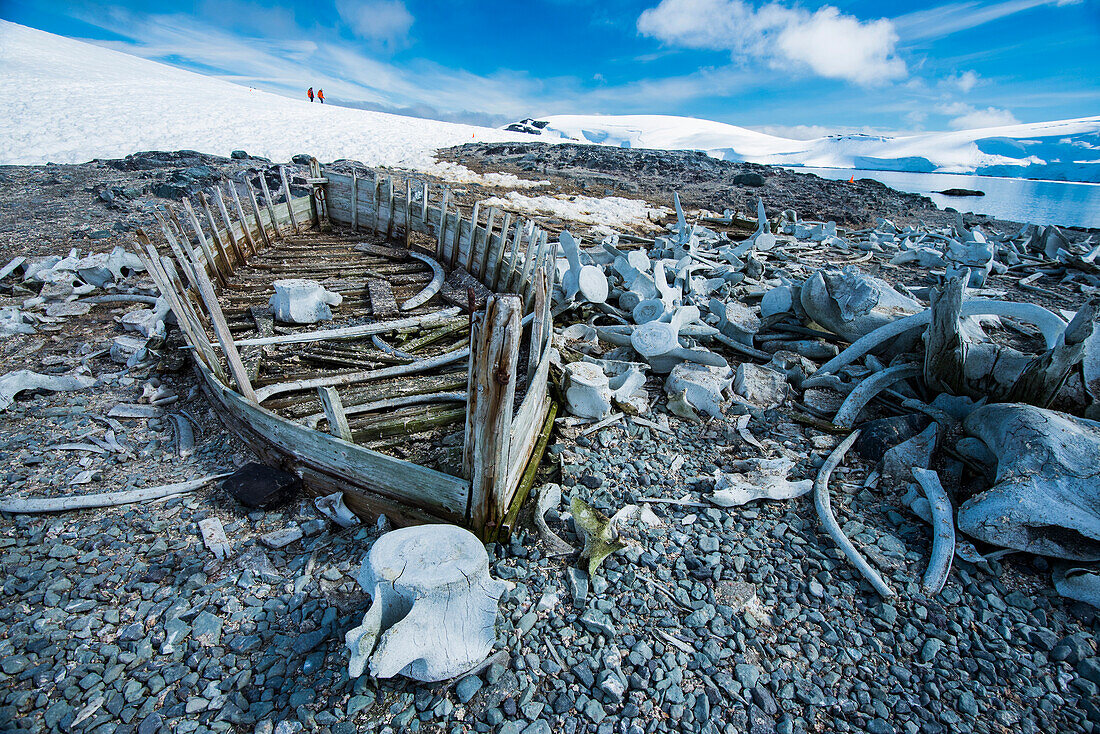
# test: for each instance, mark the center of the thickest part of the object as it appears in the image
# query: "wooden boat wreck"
(426, 398)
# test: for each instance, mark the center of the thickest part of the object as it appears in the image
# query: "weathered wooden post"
(491, 389)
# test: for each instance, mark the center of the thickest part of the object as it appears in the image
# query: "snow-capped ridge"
(1058, 150)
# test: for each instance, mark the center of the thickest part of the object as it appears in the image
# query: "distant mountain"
(1064, 150)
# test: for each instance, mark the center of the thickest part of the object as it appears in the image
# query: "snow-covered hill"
(1063, 150)
(68, 101)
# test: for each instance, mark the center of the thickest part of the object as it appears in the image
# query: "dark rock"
(302, 159)
(239, 155)
(961, 192)
(260, 486)
(878, 436)
(748, 179)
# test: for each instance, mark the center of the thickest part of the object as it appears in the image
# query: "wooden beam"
(334, 413)
(256, 214)
(494, 348)
(286, 193)
(244, 222)
(270, 206)
(214, 234)
(211, 260)
(354, 201)
(221, 330)
(238, 255)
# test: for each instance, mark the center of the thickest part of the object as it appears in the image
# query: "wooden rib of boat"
(426, 398)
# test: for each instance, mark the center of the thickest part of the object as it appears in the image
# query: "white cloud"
(386, 22)
(964, 81)
(968, 117)
(945, 20)
(827, 42)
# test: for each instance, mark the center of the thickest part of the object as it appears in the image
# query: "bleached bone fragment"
(302, 301)
(587, 390)
(702, 387)
(147, 321)
(549, 498)
(1090, 365)
(433, 605)
(1079, 584)
(761, 386)
(915, 452)
(281, 538)
(11, 322)
(213, 537)
(754, 479)
(18, 381)
(852, 304)
(736, 320)
(332, 506)
(581, 337)
(1046, 498)
(943, 538)
(778, 300)
(658, 342)
(587, 280)
(868, 389)
(1049, 323)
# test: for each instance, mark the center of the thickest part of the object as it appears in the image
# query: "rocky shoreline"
(726, 620)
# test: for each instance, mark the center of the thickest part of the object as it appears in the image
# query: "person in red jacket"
(309, 93)
(321, 96)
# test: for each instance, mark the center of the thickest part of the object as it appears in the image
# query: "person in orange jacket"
(321, 96)
(309, 93)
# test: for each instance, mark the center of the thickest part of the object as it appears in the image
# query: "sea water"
(1064, 203)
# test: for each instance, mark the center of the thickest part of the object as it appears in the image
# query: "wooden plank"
(215, 234)
(380, 293)
(286, 193)
(525, 426)
(474, 217)
(527, 478)
(256, 214)
(229, 233)
(538, 264)
(246, 231)
(538, 325)
(221, 330)
(334, 413)
(203, 243)
(353, 332)
(408, 212)
(483, 264)
(491, 392)
(394, 478)
(513, 264)
(390, 207)
(193, 333)
(441, 232)
(376, 203)
(424, 207)
(354, 201)
(270, 207)
(496, 255)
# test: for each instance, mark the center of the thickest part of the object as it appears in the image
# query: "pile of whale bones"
(672, 310)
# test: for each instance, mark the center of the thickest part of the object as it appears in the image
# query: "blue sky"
(797, 69)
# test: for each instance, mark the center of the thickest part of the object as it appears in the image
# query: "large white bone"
(851, 304)
(1046, 498)
(1049, 323)
(702, 387)
(301, 301)
(16, 382)
(433, 605)
(754, 479)
(588, 280)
